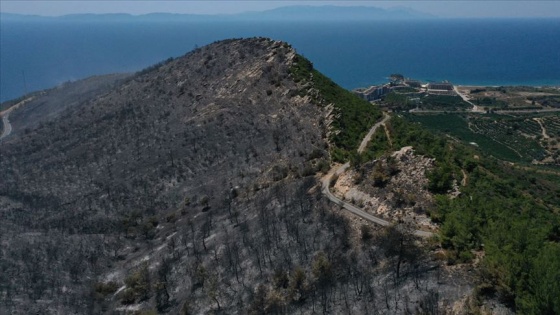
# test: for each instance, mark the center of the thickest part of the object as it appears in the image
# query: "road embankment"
(339, 169)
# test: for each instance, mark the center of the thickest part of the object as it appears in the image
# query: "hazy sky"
(440, 8)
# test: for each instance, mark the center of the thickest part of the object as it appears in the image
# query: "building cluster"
(442, 88)
(374, 93)
(378, 92)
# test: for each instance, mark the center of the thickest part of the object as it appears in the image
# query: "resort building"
(441, 88)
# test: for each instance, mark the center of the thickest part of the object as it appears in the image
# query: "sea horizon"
(485, 52)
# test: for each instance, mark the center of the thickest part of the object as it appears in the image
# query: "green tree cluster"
(352, 115)
(137, 286)
(509, 213)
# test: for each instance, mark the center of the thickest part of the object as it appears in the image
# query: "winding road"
(7, 130)
(7, 126)
(326, 181)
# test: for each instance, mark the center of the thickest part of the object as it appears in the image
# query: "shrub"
(440, 180)
(366, 232)
(380, 176)
(103, 289)
(298, 285)
(138, 285)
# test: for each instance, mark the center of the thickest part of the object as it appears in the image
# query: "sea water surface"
(39, 55)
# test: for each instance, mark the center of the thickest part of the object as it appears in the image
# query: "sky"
(449, 9)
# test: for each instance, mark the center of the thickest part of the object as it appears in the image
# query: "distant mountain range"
(335, 13)
(288, 13)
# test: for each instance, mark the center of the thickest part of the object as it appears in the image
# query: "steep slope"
(190, 187)
(44, 106)
(194, 128)
(191, 120)
(499, 217)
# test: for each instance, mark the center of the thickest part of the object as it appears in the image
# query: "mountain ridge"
(193, 186)
(203, 184)
(286, 13)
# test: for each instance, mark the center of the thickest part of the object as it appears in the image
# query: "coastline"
(489, 53)
(474, 85)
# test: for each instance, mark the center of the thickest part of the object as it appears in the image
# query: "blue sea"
(354, 54)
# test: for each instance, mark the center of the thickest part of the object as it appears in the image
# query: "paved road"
(527, 111)
(475, 108)
(345, 205)
(350, 207)
(501, 112)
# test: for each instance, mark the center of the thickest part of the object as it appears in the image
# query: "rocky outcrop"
(393, 187)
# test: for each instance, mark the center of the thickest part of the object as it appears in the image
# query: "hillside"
(47, 105)
(504, 220)
(176, 140)
(194, 186)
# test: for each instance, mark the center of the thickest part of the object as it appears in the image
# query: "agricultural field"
(443, 102)
(420, 101)
(511, 98)
(519, 134)
(515, 138)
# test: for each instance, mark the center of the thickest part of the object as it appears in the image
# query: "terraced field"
(516, 138)
(518, 134)
(457, 126)
(444, 102)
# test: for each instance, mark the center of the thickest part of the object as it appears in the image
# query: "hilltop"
(194, 186)
(191, 186)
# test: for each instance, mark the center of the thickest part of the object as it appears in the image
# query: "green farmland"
(508, 138)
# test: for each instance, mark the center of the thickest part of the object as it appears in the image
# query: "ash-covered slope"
(44, 106)
(191, 187)
(228, 110)
(185, 136)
